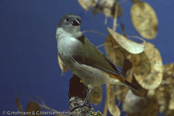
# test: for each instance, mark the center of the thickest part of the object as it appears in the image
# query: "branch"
(77, 93)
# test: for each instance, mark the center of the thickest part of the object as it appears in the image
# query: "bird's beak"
(76, 22)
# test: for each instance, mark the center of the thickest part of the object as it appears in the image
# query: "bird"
(83, 58)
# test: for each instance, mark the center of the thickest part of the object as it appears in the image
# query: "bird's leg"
(84, 103)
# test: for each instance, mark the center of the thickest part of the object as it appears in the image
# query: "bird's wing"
(90, 55)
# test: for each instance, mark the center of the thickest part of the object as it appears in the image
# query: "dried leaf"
(168, 75)
(34, 108)
(148, 67)
(62, 66)
(162, 96)
(112, 107)
(115, 52)
(96, 95)
(129, 45)
(87, 4)
(169, 113)
(19, 106)
(169, 70)
(151, 109)
(108, 8)
(165, 90)
(144, 20)
(171, 102)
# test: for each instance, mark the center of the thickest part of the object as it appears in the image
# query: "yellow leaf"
(171, 103)
(34, 108)
(95, 96)
(112, 107)
(19, 105)
(169, 113)
(108, 8)
(144, 20)
(148, 67)
(164, 93)
(129, 45)
(168, 70)
(87, 4)
(115, 52)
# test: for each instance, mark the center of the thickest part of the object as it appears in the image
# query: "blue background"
(28, 51)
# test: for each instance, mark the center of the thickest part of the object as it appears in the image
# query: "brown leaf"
(62, 66)
(168, 70)
(165, 90)
(34, 108)
(115, 52)
(168, 75)
(87, 4)
(19, 106)
(167, 86)
(171, 102)
(151, 109)
(108, 8)
(112, 107)
(144, 20)
(169, 113)
(162, 96)
(148, 67)
(95, 96)
(129, 45)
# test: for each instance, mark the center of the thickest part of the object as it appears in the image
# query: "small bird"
(83, 58)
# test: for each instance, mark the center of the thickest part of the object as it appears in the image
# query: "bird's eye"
(67, 19)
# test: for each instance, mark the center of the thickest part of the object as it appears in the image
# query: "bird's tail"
(125, 82)
(131, 86)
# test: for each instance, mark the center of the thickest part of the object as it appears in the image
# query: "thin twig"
(137, 38)
(100, 46)
(106, 105)
(95, 32)
(106, 20)
(115, 17)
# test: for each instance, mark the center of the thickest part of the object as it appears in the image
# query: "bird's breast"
(67, 47)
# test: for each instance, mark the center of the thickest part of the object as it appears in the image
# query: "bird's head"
(70, 23)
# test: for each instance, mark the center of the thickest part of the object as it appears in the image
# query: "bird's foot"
(80, 105)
